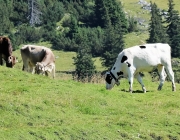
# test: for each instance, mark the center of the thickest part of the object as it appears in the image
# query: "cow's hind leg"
(53, 71)
(139, 78)
(162, 75)
(25, 66)
(171, 76)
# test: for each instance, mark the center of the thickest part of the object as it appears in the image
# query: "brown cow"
(38, 57)
(6, 52)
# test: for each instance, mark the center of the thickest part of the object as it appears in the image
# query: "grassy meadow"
(39, 107)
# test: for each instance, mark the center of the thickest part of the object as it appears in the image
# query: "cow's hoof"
(160, 87)
(130, 90)
(173, 89)
(144, 89)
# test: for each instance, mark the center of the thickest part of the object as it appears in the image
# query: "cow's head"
(12, 60)
(111, 80)
(112, 77)
(40, 68)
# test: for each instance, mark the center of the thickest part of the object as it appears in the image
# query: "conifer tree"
(112, 10)
(84, 64)
(5, 13)
(116, 14)
(113, 44)
(173, 29)
(156, 29)
(100, 13)
(73, 27)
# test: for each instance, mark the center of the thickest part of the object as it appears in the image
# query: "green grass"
(37, 107)
(135, 38)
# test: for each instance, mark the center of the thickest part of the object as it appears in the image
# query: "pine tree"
(85, 68)
(5, 13)
(73, 27)
(116, 14)
(105, 9)
(20, 12)
(100, 13)
(173, 29)
(113, 44)
(156, 29)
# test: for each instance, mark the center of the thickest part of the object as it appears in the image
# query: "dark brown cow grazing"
(6, 52)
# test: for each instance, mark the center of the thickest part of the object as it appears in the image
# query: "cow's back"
(49, 57)
(32, 54)
(145, 57)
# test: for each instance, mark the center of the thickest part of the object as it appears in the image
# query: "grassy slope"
(135, 10)
(163, 4)
(37, 107)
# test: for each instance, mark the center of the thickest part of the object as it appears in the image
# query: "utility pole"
(34, 12)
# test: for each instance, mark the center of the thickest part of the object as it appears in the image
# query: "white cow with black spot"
(143, 58)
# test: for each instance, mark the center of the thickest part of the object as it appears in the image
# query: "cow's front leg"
(162, 75)
(1, 60)
(139, 78)
(46, 73)
(131, 71)
(130, 84)
(130, 78)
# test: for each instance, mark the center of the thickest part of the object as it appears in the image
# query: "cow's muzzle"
(117, 83)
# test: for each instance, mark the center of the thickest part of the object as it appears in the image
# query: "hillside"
(37, 107)
(136, 10)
